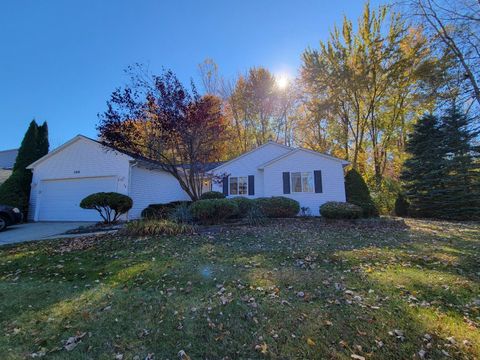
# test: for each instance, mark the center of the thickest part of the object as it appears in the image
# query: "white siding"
(83, 158)
(248, 165)
(152, 187)
(302, 161)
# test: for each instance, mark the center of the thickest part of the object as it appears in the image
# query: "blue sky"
(60, 60)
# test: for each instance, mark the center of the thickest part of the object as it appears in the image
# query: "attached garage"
(83, 166)
(59, 200)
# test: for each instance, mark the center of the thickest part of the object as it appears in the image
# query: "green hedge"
(357, 193)
(278, 207)
(161, 211)
(110, 205)
(244, 205)
(213, 211)
(340, 210)
(212, 195)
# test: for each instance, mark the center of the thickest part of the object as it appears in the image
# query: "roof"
(281, 157)
(7, 158)
(270, 142)
(292, 151)
(141, 160)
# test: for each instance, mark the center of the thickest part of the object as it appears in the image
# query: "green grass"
(303, 289)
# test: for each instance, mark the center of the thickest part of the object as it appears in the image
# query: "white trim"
(281, 157)
(63, 146)
(251, 151)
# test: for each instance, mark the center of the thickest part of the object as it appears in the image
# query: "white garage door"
(60, 199)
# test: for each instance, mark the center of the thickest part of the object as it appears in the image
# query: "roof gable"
(66, 145)
(281, 157)
(269, 143)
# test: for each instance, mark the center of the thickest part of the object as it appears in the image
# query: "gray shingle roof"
(7, 158)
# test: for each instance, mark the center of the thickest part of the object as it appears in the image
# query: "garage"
(59, 200)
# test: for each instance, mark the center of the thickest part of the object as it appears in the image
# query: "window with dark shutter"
(251, 185)
(286, 183)
(317, 174)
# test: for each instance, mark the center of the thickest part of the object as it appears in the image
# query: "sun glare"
(282, 81)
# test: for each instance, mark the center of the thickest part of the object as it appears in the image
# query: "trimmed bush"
(156, 227)
(181, 214)
(161, 211)
(244, 205)
(401, 205)
(278, 207)
(212, 195)
(213, 211)
(110, 205)
(357, 193)
(340, 210)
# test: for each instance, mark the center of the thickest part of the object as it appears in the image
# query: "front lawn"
(305, 289)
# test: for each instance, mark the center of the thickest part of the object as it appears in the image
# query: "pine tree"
(460, 168)
(42, 141)
(15, 191)
(357, 193)
(421, 172)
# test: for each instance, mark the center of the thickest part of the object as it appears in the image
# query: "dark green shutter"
(251, 185)
(317, 175)
(286, 183)
(225, 185)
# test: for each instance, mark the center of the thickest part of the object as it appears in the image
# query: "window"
(239, 185)
(302, 181)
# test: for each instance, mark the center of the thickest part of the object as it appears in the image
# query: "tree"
(157, 117)
(15, 191)
(356, 191)
(460, 167)
(261, 110)
(421, 172)
(365, 87)
(453, 26)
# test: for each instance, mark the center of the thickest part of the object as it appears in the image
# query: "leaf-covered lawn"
(306, 289)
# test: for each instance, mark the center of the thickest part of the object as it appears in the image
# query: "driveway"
(37, 231)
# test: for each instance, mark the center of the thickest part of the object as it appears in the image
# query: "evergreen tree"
(460, 168)
(357, 193)
(15, 191)
(42, 142)
(27, 152)
(421, 172)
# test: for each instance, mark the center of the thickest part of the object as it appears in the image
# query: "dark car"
(9, 215)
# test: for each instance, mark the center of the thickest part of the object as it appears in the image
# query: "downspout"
(132, 163)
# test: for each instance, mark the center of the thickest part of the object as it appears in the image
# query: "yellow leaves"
(262, 348)
(310, 342)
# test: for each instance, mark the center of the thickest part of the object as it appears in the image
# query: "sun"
(282, 81)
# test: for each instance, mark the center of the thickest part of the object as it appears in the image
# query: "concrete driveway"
(37, 231)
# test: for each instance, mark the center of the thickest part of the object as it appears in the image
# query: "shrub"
(244, 205)
(161, 211)
(255, 216)
(181, 214)
(278, 206)
(212, 195)
(357, 193)
(110, 205)
(401, 205)
(157, 227)
(213, 211)
(340, 210)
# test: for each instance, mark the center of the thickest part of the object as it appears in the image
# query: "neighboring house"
(82, 166)
(7, 160)
(310, 177)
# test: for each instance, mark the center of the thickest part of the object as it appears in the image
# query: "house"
(7, 160)
(310, 177)
(82, 166)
